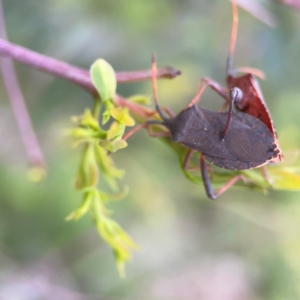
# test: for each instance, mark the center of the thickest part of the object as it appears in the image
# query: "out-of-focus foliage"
(96, 163)
(243, 246)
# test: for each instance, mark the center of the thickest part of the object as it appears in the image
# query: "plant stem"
(71, 73)
(19, 108)
(97, 108)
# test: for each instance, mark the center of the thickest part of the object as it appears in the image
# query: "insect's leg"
(149, 129)
(207, 185)
(157, 107)
(235, 94)
(133, 131)
(206, 181)
(154, 87)
(168, 111)
(260, 74)
(235, 20)
(204, 82)
(187, 159)
(266, 175)
(223, 92)
(201, 89)
(157, 134)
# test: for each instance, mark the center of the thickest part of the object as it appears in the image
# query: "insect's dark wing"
(248, 140)
(234, 164)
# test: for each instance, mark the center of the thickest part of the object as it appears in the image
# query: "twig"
(20, 111)
(167, 72)
(292, 3)
(80, 76)
(71, 73)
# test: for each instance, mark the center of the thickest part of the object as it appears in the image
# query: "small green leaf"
(83, 208)
(118, 239)
(104, 79)
(78, 141)
(122, 115)
(106, 113)
(113, 146)
(88, 172)
(100, 209)
(126, 239)
(114, 197)
(283, 179)
(107, 167)
(88, 120)
(85, 133)
(106, 163)
(115, 131)
(121, 258)
(140, 99)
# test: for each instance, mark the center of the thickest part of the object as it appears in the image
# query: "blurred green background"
(245, 245)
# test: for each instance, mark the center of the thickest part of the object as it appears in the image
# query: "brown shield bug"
(251, 102)
(230, 140)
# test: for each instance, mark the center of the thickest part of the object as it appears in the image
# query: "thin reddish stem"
(71, 73)
(233, 36)
(19, 108)
(200, 91)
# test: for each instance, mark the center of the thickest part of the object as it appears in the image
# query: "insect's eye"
(236, 94)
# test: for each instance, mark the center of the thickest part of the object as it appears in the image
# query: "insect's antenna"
(154, 86)
(235, 20)
(201, 89)
(235, 95)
